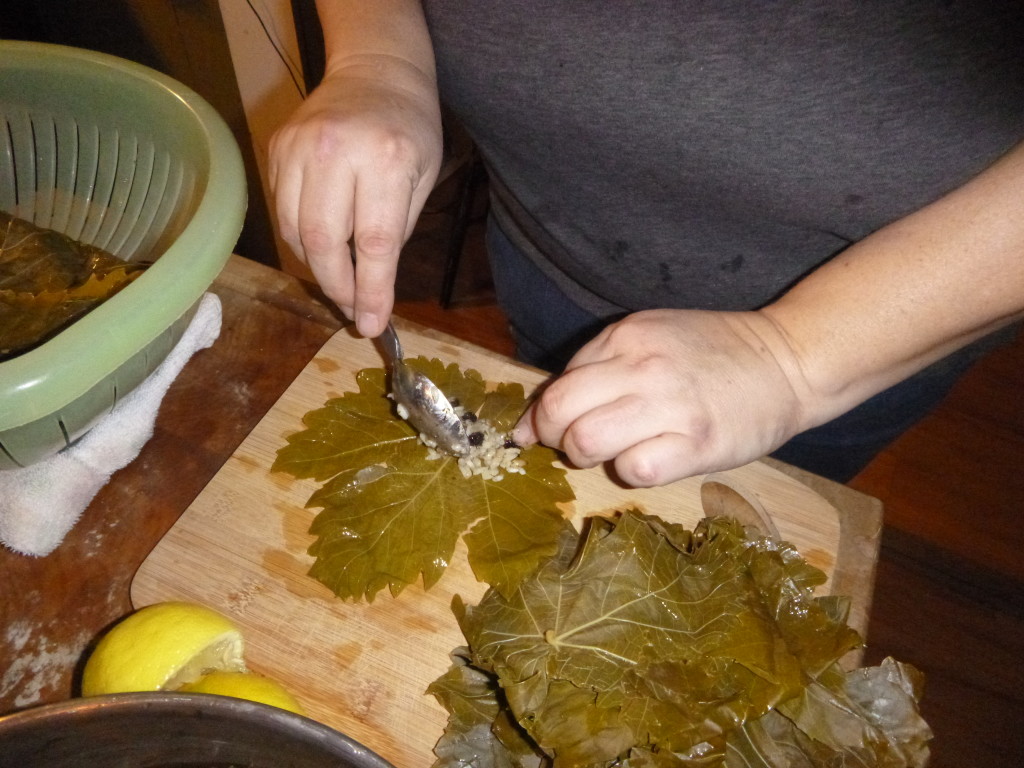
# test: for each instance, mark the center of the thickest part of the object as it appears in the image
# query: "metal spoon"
(420, 402)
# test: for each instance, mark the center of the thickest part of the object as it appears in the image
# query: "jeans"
(548, 328)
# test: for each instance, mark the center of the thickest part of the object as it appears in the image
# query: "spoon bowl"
(421, 402)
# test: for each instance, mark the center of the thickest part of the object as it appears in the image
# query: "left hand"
(668, 394)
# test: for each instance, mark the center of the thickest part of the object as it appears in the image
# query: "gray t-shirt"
(707, 154)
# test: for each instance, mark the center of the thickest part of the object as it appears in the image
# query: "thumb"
(523, 432)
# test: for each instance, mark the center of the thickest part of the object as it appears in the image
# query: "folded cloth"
(40, 503)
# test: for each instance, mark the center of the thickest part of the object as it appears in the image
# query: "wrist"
(392, 70)
(808, 392)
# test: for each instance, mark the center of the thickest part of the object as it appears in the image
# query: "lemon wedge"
(162, 647)
(245, 685)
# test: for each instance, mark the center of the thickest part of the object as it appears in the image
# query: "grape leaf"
(390, 514)
(657, 629)
(656, 647)
(27, 319)
(48, 280)
(33, 259)
(866, 717)
(484, 734)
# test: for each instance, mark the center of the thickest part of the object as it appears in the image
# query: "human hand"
(669, 394)
(356, 162)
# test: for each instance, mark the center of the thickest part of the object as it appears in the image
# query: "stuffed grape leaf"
(48, 280)
(391, 514)
(645, 645)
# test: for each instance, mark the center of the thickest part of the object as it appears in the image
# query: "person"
(734, 228)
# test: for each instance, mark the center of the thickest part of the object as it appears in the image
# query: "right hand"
(357, 162)
(672, 393)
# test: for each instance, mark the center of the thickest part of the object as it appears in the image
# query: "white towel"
(40, 503)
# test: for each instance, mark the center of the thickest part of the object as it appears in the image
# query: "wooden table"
(54, 607)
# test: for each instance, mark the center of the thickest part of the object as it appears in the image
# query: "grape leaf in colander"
(48, 280)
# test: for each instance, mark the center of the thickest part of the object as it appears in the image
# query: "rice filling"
(492, 454)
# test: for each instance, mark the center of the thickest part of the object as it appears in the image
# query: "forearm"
(907, 295)
(357, 32)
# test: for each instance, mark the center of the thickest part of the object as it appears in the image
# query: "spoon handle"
(390, 345)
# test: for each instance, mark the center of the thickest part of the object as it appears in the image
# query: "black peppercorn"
(476, 438)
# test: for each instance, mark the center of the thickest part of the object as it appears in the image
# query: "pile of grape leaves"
(47, 281)
(390, 515)
(634, 644)
(642, 644)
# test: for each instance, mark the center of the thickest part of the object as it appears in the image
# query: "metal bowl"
(160, 730)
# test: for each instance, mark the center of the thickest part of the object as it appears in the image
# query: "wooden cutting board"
(363, 668)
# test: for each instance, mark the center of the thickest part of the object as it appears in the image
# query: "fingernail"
(523, 433)
(367, 325)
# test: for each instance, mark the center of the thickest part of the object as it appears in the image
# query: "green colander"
(119, 156)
